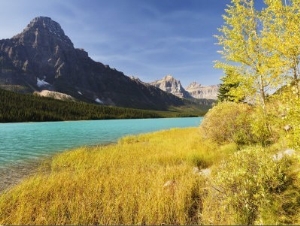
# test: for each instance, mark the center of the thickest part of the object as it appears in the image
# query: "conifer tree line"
(261, 49)
(16, 107)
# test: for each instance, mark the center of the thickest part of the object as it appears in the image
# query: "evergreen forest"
(16, 107)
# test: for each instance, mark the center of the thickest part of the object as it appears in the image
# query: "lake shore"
(14, 174)
(19, 140)
(166, 177)
(123, 183)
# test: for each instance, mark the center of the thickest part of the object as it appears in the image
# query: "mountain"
(198, 91)
(170, 85)
(42, 57)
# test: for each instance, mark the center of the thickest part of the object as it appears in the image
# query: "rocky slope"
(198, 91)
(170, 85)
(194, 90)
(54, 95)
(43, 57)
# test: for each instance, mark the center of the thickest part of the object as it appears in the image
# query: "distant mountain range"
(171, 85)
(194, 90)
(42, 57)
(198, 91)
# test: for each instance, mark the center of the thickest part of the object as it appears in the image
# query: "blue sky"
(147, 39)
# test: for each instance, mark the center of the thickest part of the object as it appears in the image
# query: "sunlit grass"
(156, 179)
(145, 179)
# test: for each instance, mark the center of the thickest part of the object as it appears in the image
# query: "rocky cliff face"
(194, 90)
(43, 57)
(171, 85)
(198, 91)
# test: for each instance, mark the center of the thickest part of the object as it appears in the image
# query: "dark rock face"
(170, 85)
(43, 57)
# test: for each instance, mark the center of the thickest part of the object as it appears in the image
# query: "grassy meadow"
(175, 176)
(145, 179)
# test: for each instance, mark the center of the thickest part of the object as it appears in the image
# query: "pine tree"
(228, 88)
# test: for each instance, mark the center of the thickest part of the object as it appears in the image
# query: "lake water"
(21, 142)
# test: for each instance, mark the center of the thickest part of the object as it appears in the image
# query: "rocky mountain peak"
(169, 77)
(198, 91)
(47, 23)
(193, 85)
(195, 90)
(42, 27)
(42, 57)
(170, 85)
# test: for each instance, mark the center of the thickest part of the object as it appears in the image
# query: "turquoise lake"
(21, 142)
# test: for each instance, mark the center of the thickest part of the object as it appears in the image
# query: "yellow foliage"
(167, 177)
(228, 122)
(261, 46)
(254, 186)
(145, 179)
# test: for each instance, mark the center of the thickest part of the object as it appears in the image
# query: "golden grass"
(124, 183)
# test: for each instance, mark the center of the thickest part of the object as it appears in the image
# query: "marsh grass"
(145, 179)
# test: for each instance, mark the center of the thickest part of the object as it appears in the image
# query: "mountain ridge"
(171, 85)
(43, 57)
(194, 90)
(198, 91)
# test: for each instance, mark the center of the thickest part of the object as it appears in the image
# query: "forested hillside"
(19, 108)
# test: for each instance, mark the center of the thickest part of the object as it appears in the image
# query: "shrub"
(289, 113)
(264, 125)
(253, 187)
(228, 122)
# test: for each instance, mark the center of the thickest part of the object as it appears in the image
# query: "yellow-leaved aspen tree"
(241, 45)
(284, 36)
(274, 18)
(246, 49)
(284, 39)
(290, 46)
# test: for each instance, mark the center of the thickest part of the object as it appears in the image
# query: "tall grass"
(145, 179)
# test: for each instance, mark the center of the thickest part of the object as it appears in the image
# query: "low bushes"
(254, 186)
(242, 124)
(228, 122)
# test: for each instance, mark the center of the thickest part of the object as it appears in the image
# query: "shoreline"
(14, 174)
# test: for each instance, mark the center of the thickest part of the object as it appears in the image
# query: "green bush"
(253, 187)
(228, 122)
